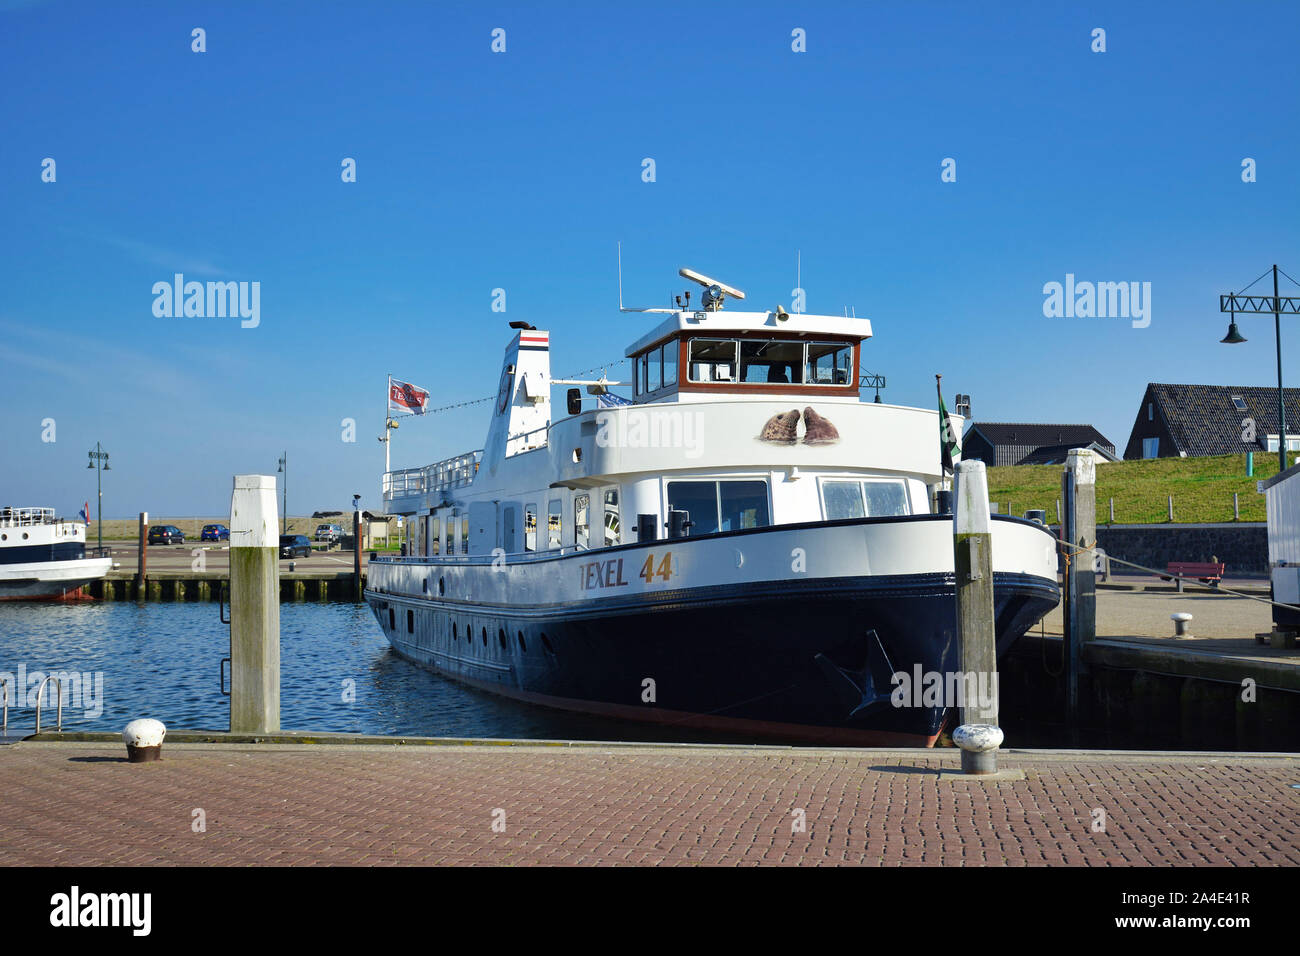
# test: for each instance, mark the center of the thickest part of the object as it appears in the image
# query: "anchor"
(857, 689)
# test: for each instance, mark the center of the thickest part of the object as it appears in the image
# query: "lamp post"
(284, 486)
(99, 461)
(1237, 302)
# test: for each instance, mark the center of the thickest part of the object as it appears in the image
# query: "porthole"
(410, 622)
(454, 635)
(522, 646)
(425, 582)
(485, 637)
(547, 644)
(24, 535)
(442, 586)
(501, 638)
(392, 620)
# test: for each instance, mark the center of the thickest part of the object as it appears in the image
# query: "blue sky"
(521, 170)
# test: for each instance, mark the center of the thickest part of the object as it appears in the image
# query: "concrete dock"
(519, 803)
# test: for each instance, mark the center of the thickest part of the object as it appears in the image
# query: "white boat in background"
(44, 557)
(743, 544)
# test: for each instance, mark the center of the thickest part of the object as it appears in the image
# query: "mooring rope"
(1216, 589)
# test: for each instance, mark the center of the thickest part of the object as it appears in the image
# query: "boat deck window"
(530, 527)
(848, 498)
(581, 521)
(612, 533)
(554, 524)
(720, 505)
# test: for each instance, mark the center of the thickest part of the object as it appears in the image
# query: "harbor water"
(337, 674)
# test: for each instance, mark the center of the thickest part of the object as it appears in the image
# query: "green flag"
(947, 437)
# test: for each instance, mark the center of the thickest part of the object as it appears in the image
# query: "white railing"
(25, 517)
(454, 472)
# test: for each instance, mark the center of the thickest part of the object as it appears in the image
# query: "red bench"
(1207, 572)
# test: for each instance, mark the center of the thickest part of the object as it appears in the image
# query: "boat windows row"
(747, 361)
(593, 519)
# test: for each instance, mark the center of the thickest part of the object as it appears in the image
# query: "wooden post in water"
(142, 555)
(1079, 490)
(254, 606)
(978, 736)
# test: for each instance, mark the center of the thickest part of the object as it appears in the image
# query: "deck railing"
(454, 472)
(25, 517)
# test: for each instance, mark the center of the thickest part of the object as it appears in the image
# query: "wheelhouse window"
(829, 363)
(850, 498)
(581, 521)
(772, 362)
(670, 363)
(713, 360)
(720, 505)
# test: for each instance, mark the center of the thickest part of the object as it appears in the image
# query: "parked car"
(295, 545)
(215, 532)
(166, 534)
(328, 532)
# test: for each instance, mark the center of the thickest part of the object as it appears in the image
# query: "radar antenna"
(715, 292)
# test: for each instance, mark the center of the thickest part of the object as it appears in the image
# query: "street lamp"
(1237, 302)
(99, 461)
(284, 486)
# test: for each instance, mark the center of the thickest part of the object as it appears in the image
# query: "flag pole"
(938, 387)
(388, 432)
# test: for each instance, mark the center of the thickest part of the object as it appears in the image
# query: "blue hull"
(808, 661)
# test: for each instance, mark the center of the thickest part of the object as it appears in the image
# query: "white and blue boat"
(44, 557)
(741, 545)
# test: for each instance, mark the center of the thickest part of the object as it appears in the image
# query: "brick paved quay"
(82, 804)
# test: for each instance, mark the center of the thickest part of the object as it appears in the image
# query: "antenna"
(715, 292)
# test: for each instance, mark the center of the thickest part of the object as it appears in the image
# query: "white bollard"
(144, 740)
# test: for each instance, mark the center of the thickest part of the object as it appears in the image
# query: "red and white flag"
(404, 395)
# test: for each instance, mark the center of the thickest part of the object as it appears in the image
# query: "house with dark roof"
(1192, 421)
(1021, 443)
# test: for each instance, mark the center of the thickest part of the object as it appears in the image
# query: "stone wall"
(1242, 546)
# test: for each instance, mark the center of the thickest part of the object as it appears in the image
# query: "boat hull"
(803, 657)
(60, 580)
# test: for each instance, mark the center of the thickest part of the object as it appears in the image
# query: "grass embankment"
(1202, 489)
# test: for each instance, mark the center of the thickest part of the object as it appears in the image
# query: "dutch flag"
(85, 512)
